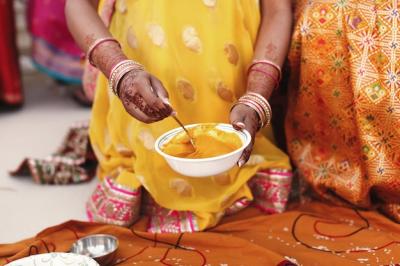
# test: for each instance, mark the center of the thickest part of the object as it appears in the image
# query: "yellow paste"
(209, 141)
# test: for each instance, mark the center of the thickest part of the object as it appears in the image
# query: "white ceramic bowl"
(203, 167)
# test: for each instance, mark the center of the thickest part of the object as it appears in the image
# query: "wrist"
(259, 105)
(106, 56)
(263, 77)
(271, 68)
(258, 83)
(119, 71)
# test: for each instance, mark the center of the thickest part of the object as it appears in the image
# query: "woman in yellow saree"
(198, 53)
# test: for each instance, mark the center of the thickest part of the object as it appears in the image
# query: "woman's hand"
(144, 97)
(244, 117)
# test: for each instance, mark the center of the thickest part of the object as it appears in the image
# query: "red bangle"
(97, 43)
(266, 74)
(269, 63)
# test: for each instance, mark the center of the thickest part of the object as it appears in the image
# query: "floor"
(36, 130)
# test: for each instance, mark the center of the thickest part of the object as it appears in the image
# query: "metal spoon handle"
(184, 128)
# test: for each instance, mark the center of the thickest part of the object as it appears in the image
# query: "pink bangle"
(266, 74)
(259, 104)
(97, 43)
(256, 107)
(262, 103)
(267, 62)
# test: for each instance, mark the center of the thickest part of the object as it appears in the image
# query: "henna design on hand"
(253, 120)
(138, 103)
(131, 98)
(244, 114)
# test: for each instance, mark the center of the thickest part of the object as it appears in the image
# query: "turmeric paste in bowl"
(217, 149)
(210, 141)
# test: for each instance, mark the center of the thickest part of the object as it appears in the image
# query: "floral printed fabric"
(342, 126)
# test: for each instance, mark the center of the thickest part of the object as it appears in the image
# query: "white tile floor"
(36, 130)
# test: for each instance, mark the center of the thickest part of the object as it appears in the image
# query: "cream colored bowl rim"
(244, 133)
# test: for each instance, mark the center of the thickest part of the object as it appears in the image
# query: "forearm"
(86, 27)
(272, 44)
(273, 38)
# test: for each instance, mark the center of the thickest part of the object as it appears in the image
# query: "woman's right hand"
(144, 97)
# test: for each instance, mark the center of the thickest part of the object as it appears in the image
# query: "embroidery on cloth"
(271, 189)
(163, 220)
(237, 206)
(114, 204)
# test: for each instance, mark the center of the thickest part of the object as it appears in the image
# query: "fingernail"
(240, 125)
(166, 101)
(241, 163)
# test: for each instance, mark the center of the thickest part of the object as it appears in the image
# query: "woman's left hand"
(244, 117)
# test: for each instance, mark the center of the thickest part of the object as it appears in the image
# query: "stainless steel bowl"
(101, 248)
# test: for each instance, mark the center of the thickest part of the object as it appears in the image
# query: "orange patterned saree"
(344, 105)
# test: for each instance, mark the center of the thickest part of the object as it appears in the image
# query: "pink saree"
(54, 51)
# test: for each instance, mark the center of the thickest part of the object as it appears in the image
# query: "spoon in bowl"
(191, 140)
(175, 117)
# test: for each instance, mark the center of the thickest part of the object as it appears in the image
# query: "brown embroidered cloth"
(73, 162)
(312, 234)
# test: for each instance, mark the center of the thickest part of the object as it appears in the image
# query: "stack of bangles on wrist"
(119, 71)
(259, 104)
(275, 75)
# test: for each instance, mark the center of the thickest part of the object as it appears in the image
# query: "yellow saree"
(200, 51)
